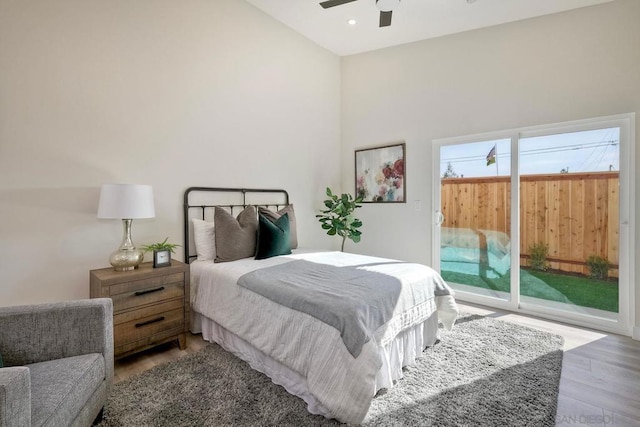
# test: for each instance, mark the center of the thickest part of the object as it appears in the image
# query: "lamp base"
(126, 259)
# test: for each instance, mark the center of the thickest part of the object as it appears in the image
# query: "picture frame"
(161, 258)
(380, 174)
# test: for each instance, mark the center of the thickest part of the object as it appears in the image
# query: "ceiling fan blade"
(331, 3)
(385, 18)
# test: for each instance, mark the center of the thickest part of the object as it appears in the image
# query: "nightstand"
(150, 305)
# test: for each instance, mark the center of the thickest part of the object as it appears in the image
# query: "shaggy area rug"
(485, 372)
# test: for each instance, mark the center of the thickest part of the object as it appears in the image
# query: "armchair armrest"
(37, 333)
(15, 397)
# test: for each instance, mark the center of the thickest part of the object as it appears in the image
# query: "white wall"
(575, 65)
(168, 93)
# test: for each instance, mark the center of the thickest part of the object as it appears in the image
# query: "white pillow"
(204, 238)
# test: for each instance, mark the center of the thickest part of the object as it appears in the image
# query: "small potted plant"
(161, 252)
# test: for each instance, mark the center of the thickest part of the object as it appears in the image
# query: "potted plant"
(161, 252)
(338, 217)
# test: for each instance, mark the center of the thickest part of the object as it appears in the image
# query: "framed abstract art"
(380, 174)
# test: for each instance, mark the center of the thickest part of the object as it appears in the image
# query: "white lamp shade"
(126, 201)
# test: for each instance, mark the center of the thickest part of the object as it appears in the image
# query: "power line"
(586, 146)
(586, 163)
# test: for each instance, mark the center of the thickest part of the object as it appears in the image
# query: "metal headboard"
(202, 205)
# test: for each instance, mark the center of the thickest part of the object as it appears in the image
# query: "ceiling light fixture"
(352, 22)
(387, 5)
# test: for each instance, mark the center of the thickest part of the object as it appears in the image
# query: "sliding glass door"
(539, 219)
(570, 229)
(475, 218)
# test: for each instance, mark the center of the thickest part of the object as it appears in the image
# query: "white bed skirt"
(402, 351)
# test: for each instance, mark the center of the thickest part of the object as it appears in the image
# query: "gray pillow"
(235, 238)
(274, 216)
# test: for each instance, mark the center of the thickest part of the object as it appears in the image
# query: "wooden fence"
(576, 214)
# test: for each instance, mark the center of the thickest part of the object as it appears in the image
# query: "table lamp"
(126, 202)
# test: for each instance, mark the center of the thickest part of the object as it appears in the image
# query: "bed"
(270, 313)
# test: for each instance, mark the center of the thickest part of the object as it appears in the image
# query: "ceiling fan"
(386, 8)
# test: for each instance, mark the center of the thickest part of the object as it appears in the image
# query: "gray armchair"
(58, 362)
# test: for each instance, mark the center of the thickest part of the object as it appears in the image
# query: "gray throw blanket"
(354, 301)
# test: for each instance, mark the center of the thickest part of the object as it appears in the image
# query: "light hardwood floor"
(600, 383)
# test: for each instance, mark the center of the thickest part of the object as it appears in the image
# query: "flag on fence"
(491, 157)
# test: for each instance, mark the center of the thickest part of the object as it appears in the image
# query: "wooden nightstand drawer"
(128, 316)
(145, 296)
(145, 284)
(149, 341)
(147, 327)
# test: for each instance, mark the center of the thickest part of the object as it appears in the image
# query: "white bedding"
(342, 386)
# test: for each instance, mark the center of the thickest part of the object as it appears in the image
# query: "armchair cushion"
(15, 396)
(60, 387)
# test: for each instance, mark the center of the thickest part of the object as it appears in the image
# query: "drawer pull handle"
(140, 293)
(148, 322)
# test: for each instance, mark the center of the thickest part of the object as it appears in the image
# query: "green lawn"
(578, 290)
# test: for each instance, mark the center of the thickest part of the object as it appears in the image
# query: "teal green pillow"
(274, 237)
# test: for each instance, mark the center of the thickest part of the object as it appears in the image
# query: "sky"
(585, 151)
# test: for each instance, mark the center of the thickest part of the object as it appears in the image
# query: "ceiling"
(413, 20)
